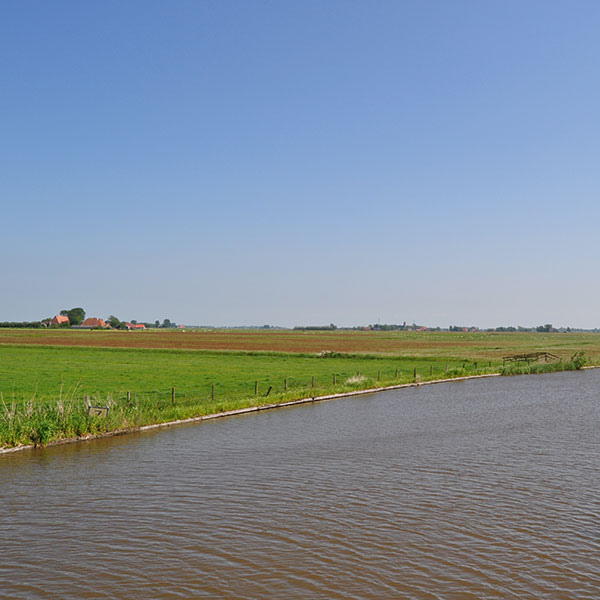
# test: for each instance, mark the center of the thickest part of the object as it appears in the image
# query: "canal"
(480, 489)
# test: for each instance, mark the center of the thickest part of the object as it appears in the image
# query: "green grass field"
(42, 372)
(43, 387)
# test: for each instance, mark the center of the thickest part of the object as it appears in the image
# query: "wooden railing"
(530, 357)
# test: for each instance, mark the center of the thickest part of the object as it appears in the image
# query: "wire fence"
(260, 388)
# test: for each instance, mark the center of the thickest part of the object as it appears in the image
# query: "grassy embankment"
(43, 386)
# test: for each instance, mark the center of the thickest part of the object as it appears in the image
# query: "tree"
(166, 323)
(113, 322)
(157, 323)
(76, 315)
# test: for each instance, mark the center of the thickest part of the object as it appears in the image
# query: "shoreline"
(239, 411)
(251, 409)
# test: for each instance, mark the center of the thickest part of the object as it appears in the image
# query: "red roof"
(93, 322)
(59, 319)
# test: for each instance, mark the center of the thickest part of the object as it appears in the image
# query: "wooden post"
(415, 373)
(378, 375)
(128, 397)
(212, 392)
(172, 395)
(446, 367)
(476, 365)
(334, 379)
(396, 373)
(256, 388)
(312, 383)
(490, 364)
(285, 384)
(430, 370)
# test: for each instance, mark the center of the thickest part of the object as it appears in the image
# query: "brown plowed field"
(467, 345)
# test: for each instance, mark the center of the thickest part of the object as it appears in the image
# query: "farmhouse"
(136, 326)
(60, 320)
(91, 323)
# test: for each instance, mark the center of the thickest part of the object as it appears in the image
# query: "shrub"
(579, 359)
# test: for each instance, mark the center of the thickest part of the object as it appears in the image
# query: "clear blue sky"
(301, 162)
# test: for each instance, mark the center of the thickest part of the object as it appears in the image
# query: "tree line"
(116, 323)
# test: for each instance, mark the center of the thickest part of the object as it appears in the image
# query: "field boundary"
(371, 354)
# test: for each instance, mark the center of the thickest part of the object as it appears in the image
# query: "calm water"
(483, 489)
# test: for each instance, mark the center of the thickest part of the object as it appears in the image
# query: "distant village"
(75, 318)
(89, 323)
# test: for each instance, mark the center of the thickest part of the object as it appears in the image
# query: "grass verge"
(45, 391)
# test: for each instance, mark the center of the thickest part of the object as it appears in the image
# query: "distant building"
(135, 326)
(92, 322)
(60, 320)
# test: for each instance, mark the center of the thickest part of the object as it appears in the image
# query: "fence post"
(334, 379)
(256, 388)
(172, 395)
(128, 397)
(415, 373)
(430, 370)
(312, 383)
(378, 375)
(396, 373)
(285, 384)
(212, 392)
